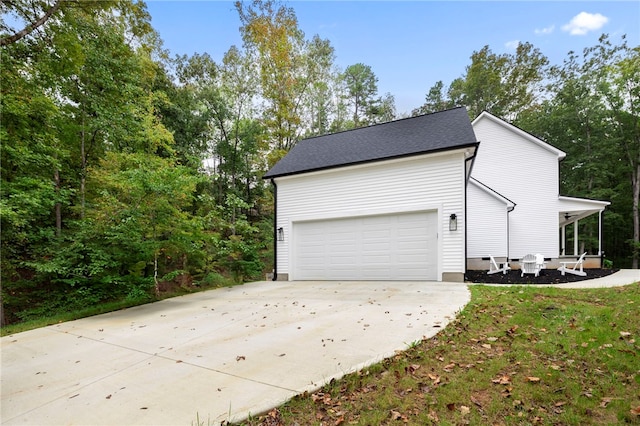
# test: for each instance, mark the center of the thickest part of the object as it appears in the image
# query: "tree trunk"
(83, 171)
(58, 207)
(635, 184)
(156, 284)
(3, 321)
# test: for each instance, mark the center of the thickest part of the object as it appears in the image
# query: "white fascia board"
(507, 202)
(571, 203)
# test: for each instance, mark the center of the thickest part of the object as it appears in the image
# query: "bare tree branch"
(31, 27)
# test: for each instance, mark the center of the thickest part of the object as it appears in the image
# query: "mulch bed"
(547, 276)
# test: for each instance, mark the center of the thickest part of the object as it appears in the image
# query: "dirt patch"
(547, 276)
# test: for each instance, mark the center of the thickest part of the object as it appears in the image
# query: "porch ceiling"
(573, 209)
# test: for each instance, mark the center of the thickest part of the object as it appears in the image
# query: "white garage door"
(389, 247)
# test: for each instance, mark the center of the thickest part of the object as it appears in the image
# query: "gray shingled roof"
(439, 131)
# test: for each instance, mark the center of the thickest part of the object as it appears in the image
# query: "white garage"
(384, 202)
(383, 247)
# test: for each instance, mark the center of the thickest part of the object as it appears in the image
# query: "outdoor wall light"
(453, 222)
(281, 234)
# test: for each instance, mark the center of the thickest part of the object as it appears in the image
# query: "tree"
(361, 87)
(435, 100)
(592, 114)
(279, 52)
(320, 103)
(141, 208)
(505, 85)
(620, 86)
(73, 91)
(295, 74)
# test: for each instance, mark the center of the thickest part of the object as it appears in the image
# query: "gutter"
(275, 230)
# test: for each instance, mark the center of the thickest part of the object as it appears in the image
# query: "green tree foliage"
(504, 85)
(592, 113)
(272, 30)
(435, 100)
(78, 99)
(295, 74)
(360, 92)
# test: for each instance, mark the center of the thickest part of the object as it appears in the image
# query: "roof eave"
(375, 160)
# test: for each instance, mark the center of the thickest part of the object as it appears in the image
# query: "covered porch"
(572, 243)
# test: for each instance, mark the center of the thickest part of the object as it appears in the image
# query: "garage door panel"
(400, 246)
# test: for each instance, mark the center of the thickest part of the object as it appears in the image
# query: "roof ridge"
(381, 124)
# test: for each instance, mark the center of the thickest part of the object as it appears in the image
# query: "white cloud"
(513, 44)
(544, 31)
(584, 22)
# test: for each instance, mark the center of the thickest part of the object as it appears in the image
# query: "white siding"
(430, 182)
(487, 224)
(525, 172)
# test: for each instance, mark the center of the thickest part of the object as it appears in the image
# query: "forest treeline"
(125, 169)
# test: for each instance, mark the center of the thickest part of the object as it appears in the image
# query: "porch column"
(575, 238)
(563, 240)
(600, 233)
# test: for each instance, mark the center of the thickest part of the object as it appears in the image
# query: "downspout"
(600, 252)
(275, 230)
(467, 171)
(509, 210)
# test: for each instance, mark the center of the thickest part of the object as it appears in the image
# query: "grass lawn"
(515, 355)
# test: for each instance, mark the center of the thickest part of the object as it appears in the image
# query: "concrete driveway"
(219, 355)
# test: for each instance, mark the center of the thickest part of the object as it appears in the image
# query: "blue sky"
(410, 45)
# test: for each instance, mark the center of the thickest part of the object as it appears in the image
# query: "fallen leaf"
(605, 401)
(635, 411)
(475, 401)
(504, 380)
(449, 367)
(240, 358)
(533, 379)
(412, 368)
(451, 406)
(625, 334)
(464, 410)
(396, 415)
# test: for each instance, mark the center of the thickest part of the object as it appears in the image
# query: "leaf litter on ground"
(514, 355)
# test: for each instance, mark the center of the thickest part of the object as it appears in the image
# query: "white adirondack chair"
(530, 264)
(577, 266)
(494, 268)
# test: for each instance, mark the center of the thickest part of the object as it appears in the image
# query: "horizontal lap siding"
(527, 174)
(488, 215)
(424, 183)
